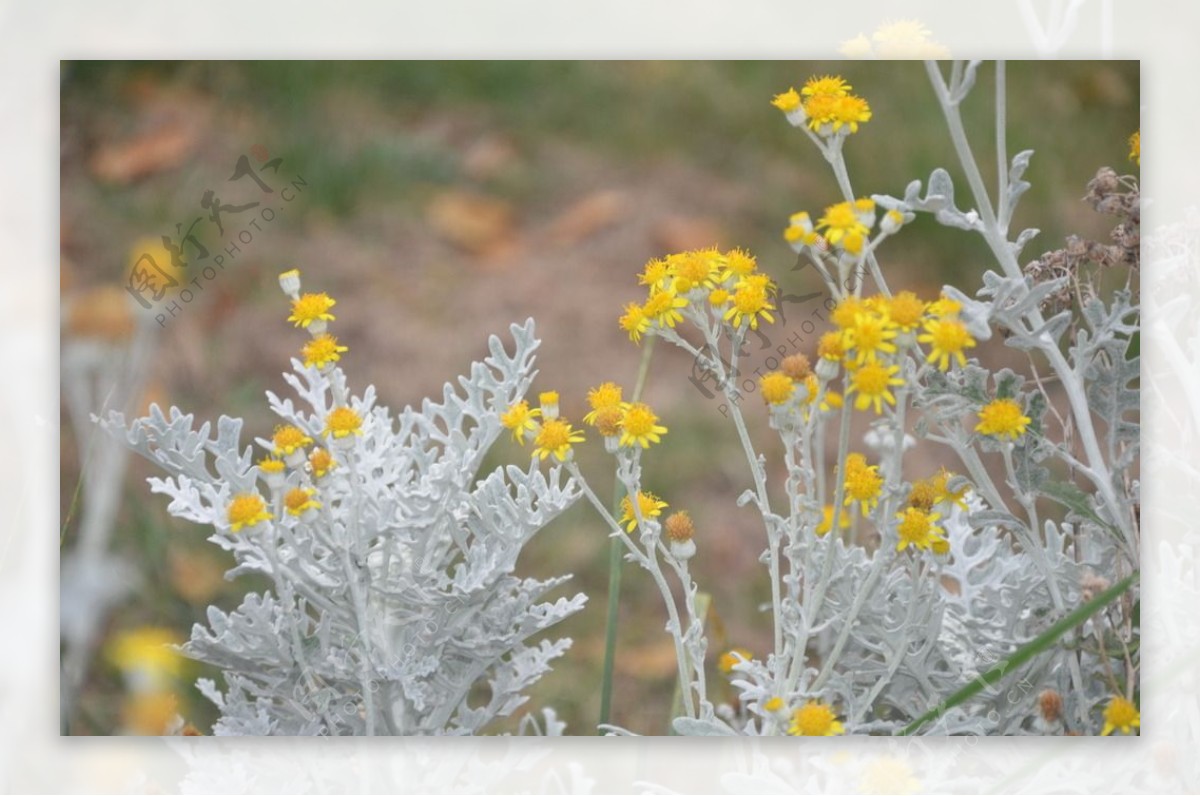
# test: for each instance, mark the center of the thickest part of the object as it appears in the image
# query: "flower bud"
(289, 282)
(679, 527)
(797, 367)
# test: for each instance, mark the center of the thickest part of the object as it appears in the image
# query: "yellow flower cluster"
(727, 283)
(933, 491)
(631, 425)
(872, 332)
(845, 226)
(826, 105)
(290, 443)
(779, 388)
(552, 435)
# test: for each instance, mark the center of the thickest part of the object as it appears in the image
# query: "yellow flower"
(773, 705)
(1135, 147)
(648, 505)
(749, 304)
(917, 528)
(870, 335)
(819, 110)
(849, 111)
(872, 382)
(841, 221)
(311, 307)
(299, 500)
(663, 308)
(847, 311)
(777, 387)
(944, 307)
(655, 274)
(342, 422)
(322, 350)
(800, 232)
(863, 483)
(519, 419)
(738, 265)
(833, 400)
(321, 462)
(289, 439)
(942, 494)
(905, 310)
(1121, 714)
(922, 495)
(815, 718)
(246, 510)
(1002, 418)
(605, 396)
(719, 297)
(732, 658)
(147, 651)
(555, 437)
(609, 419)
(270, 465)
(826, 523)
(634, 321)
(640, 426)
(812, 385)
(828, 101)
(788, 101)
(947, 337)
(697, 269)
(831, 85)
(798, 237)
(831, 347)
(757, 282)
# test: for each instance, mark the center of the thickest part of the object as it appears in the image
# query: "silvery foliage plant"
(394, 607)
(882, 637)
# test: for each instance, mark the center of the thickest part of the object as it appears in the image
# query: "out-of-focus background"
(439, 202)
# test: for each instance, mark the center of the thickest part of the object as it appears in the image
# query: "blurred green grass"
(371, 135)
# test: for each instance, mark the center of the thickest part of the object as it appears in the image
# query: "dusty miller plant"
(955, 603)
(394, 608)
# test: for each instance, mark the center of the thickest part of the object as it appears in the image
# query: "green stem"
(614, 564)
(1023, 655)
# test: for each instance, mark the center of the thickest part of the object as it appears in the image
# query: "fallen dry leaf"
(680, 233)
(154, 393)
(197, 577)
(479, 224)
(163, 147)
(489, 157)
(650, 660)
(103, 312)
(588, 216)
